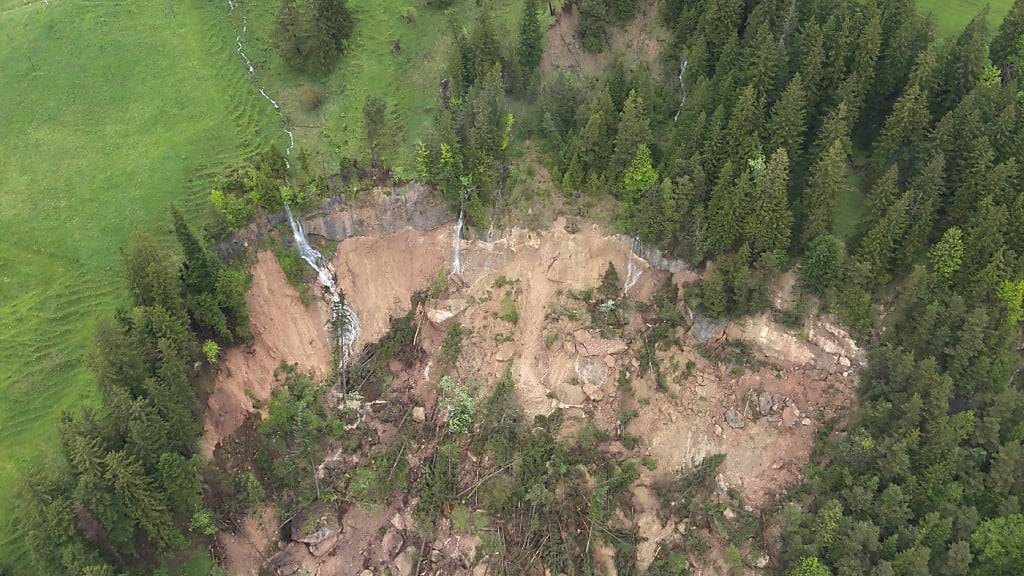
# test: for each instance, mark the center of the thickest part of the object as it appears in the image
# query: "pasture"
(952, 15)
(110, 111)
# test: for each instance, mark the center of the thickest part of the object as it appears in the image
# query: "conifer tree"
(964, 63)
(903, 141)
(289, 33)
(744, 129)
(768, 219)
(928, 191)
(151, 274)
(200, 266)
(725, 216)
(1006, 48)
(142, 499)
(595, 142)
(788, 122)
(531, 38)
(828, 182)
(634, 130)
(879, 246)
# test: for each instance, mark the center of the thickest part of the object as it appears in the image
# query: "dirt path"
(284, 330)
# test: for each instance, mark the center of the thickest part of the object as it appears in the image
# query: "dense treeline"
(126, 487)
(762, 118)
(741, 145)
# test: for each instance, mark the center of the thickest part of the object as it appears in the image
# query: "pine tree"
(142, 499)
(835, 127)
(634, 130)
(744, 129)
(822, 266)
(964, 63)
(531, 37)
(639, 179)
(593, 18)
(151, 274)
(768, 61)
(335, 23)
(1006, 47)
(788, 122)
(595, 142)
(200, 266)
(768, 219)
(725, 216)
(903, 141)
(828, 183)
(904, 35)
(928, 191)
(289, 33)
(879, 246)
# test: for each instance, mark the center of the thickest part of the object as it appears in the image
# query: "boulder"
(445, 310)
(762, 403)
(591, 373)
(325, 546)
(569, 393)
(419, 414)
(735, 419)
(391, 544)
(704, 329)
(314, 525)
(405, 563)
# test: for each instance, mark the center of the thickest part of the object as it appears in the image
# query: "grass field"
(110, 111)
(407, 80)
(952, 15)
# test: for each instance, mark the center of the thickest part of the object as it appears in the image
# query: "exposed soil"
(639, 41)
(284, 330)
(756, 391)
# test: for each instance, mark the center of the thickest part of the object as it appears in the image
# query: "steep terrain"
(753, 390)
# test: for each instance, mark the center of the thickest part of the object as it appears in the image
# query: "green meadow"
(952, 15)
(398, 51)
(109, 112)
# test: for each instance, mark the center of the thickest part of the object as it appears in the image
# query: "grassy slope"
(952, 15)
(119, 109)
(408, 80)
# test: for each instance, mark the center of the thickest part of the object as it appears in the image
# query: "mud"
(284, 330)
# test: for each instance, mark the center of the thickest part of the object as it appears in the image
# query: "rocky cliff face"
(381, 211)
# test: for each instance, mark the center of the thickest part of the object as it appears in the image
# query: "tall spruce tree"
(788, 123)
(531, 38)
(1007, 46)
(768, 218)
(827, 184)
(634, 130)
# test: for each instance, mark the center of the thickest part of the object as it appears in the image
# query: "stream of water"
(457, 244)
(343, 317)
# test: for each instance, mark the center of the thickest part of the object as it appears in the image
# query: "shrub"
(311, 97)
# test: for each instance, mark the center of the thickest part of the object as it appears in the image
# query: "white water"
(263, 92)
(457, 244)
(682, 87)
(633, 270)
(340, 312)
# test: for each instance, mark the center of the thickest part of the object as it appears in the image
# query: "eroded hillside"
(635, 375)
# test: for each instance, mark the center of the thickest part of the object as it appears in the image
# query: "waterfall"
(341, 313)
(457, 244)
(633, 270)
(682, 87)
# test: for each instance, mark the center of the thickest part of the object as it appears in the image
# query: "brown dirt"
(379, 274)
(243, 552)
(284, 330)
(813, 376)
(640, 40)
